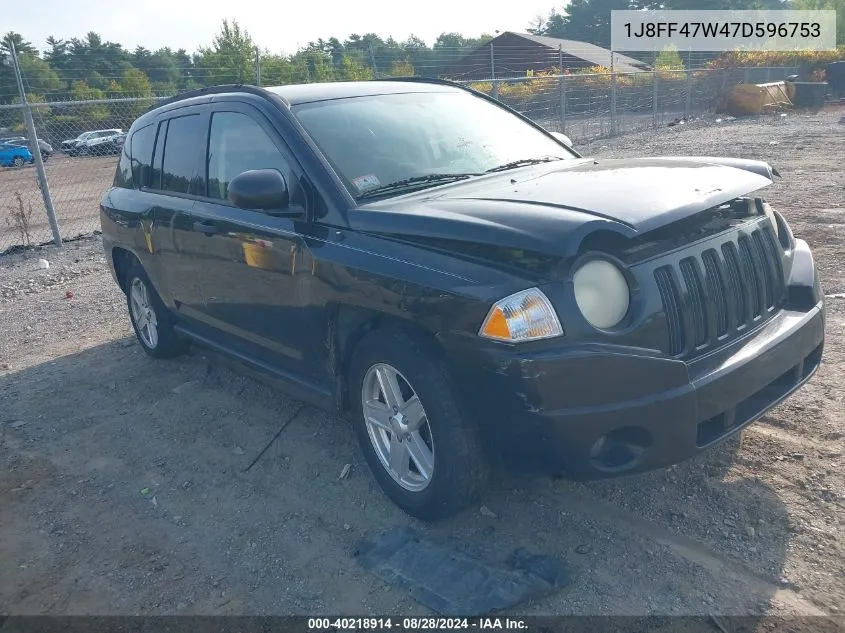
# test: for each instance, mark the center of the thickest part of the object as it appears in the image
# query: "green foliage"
(669, 59)
(836, 5)
(230, 58)
(354, 69)
(402, 68)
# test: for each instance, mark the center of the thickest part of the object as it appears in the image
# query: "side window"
(141, 154)
(236, 144)
(155, 178)
(123, 174)
(181, 170)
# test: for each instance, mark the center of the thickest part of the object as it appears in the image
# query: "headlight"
(601, 292)
(524, 316)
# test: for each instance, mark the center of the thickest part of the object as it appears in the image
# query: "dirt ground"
(76, 185)
(124, 489)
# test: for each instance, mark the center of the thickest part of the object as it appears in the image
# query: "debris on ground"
(452, 583)
(487, 512)
(344, 473)
(237, 450)
(43, 264)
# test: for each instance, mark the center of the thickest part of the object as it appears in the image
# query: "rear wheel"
(18, 161)
(424, 451)
(151, 320)
(44, 157)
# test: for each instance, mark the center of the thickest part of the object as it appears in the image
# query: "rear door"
(173, 180)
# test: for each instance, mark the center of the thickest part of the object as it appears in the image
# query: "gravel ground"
(124, 489)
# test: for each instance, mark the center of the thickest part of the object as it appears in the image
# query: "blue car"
(14, 155)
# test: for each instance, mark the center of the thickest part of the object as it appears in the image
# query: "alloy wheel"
(143, 313)
(398, 427)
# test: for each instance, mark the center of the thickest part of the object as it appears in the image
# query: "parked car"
(82, 145)
(106, 145)
(461, 282)
(14, 155)
(45, 148)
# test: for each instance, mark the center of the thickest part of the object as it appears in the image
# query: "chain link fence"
(586, 106)
(80, 140)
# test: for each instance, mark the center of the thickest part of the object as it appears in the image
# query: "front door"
(249, 261)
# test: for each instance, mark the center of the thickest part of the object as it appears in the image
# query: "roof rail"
(424, 80)
(210, 90)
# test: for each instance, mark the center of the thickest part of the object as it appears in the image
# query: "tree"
(354, 69)
(669, 59)
(837, 5)
(38, 77)
(135, 84)
(230, 58)
(402, 68)
(21, 45)
(585, 21)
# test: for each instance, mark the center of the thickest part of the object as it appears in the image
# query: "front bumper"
(599, 410)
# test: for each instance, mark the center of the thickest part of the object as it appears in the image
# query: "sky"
(277, 25)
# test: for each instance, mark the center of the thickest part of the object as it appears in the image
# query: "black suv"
(459, 280)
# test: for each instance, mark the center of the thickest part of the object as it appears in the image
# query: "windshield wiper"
(522, 162)
(428, 179)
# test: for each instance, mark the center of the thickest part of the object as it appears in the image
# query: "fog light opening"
(621, 449)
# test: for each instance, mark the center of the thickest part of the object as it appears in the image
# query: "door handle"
(209, 228)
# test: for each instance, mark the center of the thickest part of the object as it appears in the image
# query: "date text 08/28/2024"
(416, 623)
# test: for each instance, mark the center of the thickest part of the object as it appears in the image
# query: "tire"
(151, 320)
(456, 460)
(44, 157)
(18, 161)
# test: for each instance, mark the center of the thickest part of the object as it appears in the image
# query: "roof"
(584, 50)
(306, 93)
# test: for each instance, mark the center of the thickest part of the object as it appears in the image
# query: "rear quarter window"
(123, 174)
(141, 155)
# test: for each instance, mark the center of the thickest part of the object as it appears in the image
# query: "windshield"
(420, 137)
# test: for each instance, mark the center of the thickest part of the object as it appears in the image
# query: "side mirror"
(262, 190)
(563, 138)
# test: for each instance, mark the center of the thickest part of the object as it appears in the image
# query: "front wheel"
(151, 320)
(422, 448)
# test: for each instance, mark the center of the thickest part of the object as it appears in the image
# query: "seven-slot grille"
(721, 291)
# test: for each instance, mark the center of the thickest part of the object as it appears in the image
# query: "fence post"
(563, 104)
(36, 152)
(655, 92)
(612, 97)
(494, 92)
(562, 89)
(373, 62)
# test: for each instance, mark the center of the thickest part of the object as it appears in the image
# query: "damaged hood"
(552, 206)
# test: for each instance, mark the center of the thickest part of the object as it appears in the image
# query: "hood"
(552, 206)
